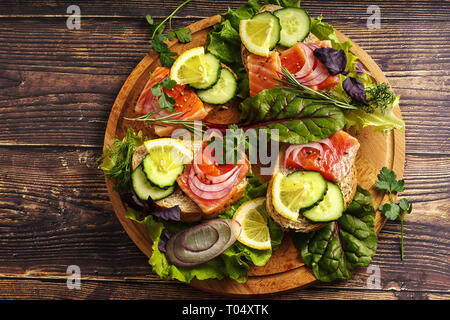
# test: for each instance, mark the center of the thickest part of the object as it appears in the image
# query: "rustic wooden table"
(57, 87)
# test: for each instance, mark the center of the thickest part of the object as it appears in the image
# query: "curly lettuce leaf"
(290, 118)
(334, 251)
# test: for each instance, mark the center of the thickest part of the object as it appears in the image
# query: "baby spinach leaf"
(334, 251)
(298, 120)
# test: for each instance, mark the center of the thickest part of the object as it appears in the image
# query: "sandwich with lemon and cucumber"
(313, 183)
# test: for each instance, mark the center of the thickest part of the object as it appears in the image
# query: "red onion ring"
(309, 63)
(318, 73)
(211, 191)
(296, 148)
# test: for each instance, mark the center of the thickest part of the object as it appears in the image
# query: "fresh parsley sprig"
(166, 56)
(165, 101)
(231, 146)
(387, 181)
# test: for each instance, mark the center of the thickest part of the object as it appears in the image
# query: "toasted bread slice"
(190, 211)
(347, 185)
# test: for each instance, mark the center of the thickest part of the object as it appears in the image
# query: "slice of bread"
(190, 211)
(347, 185)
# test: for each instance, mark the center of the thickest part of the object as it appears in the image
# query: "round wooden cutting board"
(285, 270)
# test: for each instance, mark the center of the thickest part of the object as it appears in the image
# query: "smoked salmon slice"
(332, 157)
(301, 62)
(186, 101)
(262, 71)
(211, 185)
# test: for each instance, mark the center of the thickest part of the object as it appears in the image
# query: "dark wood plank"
(349, 9)
(29, 289)
(54, 212)
(57, 86)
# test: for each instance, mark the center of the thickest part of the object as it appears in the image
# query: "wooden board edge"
(253, 286)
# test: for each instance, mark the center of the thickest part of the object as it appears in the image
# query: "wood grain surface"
(57, 87)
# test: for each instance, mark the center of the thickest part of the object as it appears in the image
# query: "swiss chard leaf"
(297, 120)
(334, 251)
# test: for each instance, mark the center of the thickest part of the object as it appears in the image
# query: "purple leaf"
(150, 207)
(334, 60)
(162, 246)
(131, 200)
(355, 89)
(173, 213)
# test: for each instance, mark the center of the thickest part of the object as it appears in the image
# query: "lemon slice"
(165, 161)
(190, 67)
(296, 191)
(261, 33)
(252, 216)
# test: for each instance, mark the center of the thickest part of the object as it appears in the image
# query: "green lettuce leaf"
(334, 251)
(297, 120)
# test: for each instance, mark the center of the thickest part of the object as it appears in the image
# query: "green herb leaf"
(390, 210)
(183, 35)
(149, 19)
(334, 251)
(115, 162)
(168, 83)
(387, 180)
(405, 206)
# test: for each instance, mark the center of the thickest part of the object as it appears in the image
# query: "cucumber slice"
(330, 208)
(160, 168)
(296, 191)
(144, 189)
(275, 34)
(213, 68)
(223, 91)
(295, 25)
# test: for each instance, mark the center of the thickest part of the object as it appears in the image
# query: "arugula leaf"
(297, 120)
(334, 251)
(115, 161)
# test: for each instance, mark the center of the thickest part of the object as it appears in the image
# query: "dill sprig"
(380, 96)
(115, 161)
